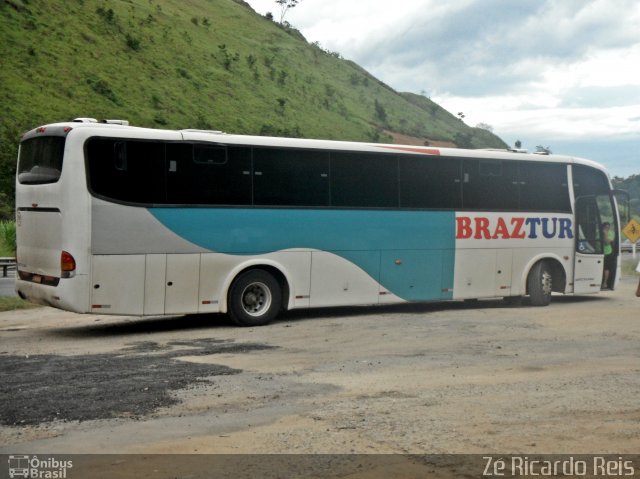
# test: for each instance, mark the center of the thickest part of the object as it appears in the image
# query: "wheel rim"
(547, 285)
(256, 299)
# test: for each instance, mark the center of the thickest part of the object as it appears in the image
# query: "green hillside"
(632, 186)
(212, 64)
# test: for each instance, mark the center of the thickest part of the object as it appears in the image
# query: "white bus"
(115, 219)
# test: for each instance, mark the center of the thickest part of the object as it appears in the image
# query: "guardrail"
(6, 263)
(628, 246)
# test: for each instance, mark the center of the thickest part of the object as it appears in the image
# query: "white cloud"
(557, 70)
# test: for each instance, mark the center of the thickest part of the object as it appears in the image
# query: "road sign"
(632, 230)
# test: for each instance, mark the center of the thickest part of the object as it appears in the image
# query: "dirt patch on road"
(132, 382)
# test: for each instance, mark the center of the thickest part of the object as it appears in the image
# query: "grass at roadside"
(7, 238)
(629, 267)
(10, 303)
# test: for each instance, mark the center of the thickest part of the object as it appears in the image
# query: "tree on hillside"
(285, 5)
(381, 113)
(463, 140)
(484, 126)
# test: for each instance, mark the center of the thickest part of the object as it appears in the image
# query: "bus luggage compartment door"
(483, 273)
(417, 275)
(117, 283)
(154, 283)
(182, 283)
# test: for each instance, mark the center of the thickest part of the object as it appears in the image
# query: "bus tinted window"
(430, 183)
(515, 186)
(291, 177)
(364, 180)
(543, 187)
(489, 185)
(184, 173)
(40, 160)
(201, 174)
(589, 181)
(127, 170)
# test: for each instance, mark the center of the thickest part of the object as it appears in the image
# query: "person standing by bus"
(608, 238)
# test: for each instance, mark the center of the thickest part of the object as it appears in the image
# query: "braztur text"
(517, 227)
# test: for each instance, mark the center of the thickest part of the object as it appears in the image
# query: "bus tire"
(540, 284)
(255, 298)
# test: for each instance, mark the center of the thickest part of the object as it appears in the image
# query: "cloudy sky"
(558, 73)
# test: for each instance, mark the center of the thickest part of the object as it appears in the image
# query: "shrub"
(227, 57)
(381, 113)
(133, 43)
(101, 87)
(108, 15)
(7, 238)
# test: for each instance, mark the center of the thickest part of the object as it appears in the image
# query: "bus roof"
(92, 127)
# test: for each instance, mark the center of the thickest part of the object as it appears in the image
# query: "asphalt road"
(7, 285)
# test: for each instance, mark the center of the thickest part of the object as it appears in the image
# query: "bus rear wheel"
(540, 284)
(255, 298)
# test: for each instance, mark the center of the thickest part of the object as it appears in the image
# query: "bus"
(123, 220)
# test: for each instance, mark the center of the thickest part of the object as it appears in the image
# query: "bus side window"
(143, 173)
(489, 185)
(120, 155)
(430, 182)
(550, 178)
(290, 177)
(126, 170)
(210, 155)
(365, 180)
(202, 174)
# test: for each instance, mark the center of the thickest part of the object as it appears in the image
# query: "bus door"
(589, 257)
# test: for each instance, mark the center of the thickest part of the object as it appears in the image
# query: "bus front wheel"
(540, 284)
(255, 298)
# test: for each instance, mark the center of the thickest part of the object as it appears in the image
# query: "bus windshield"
(40, 160)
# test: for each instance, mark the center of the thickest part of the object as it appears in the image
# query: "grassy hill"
(213, 64)
(632, 186)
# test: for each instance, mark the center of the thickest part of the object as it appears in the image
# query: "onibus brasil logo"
(33, 467)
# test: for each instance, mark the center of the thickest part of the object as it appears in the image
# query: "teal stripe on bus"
(424, 241)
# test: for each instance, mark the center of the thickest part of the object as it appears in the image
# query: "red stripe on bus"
(416, 149)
